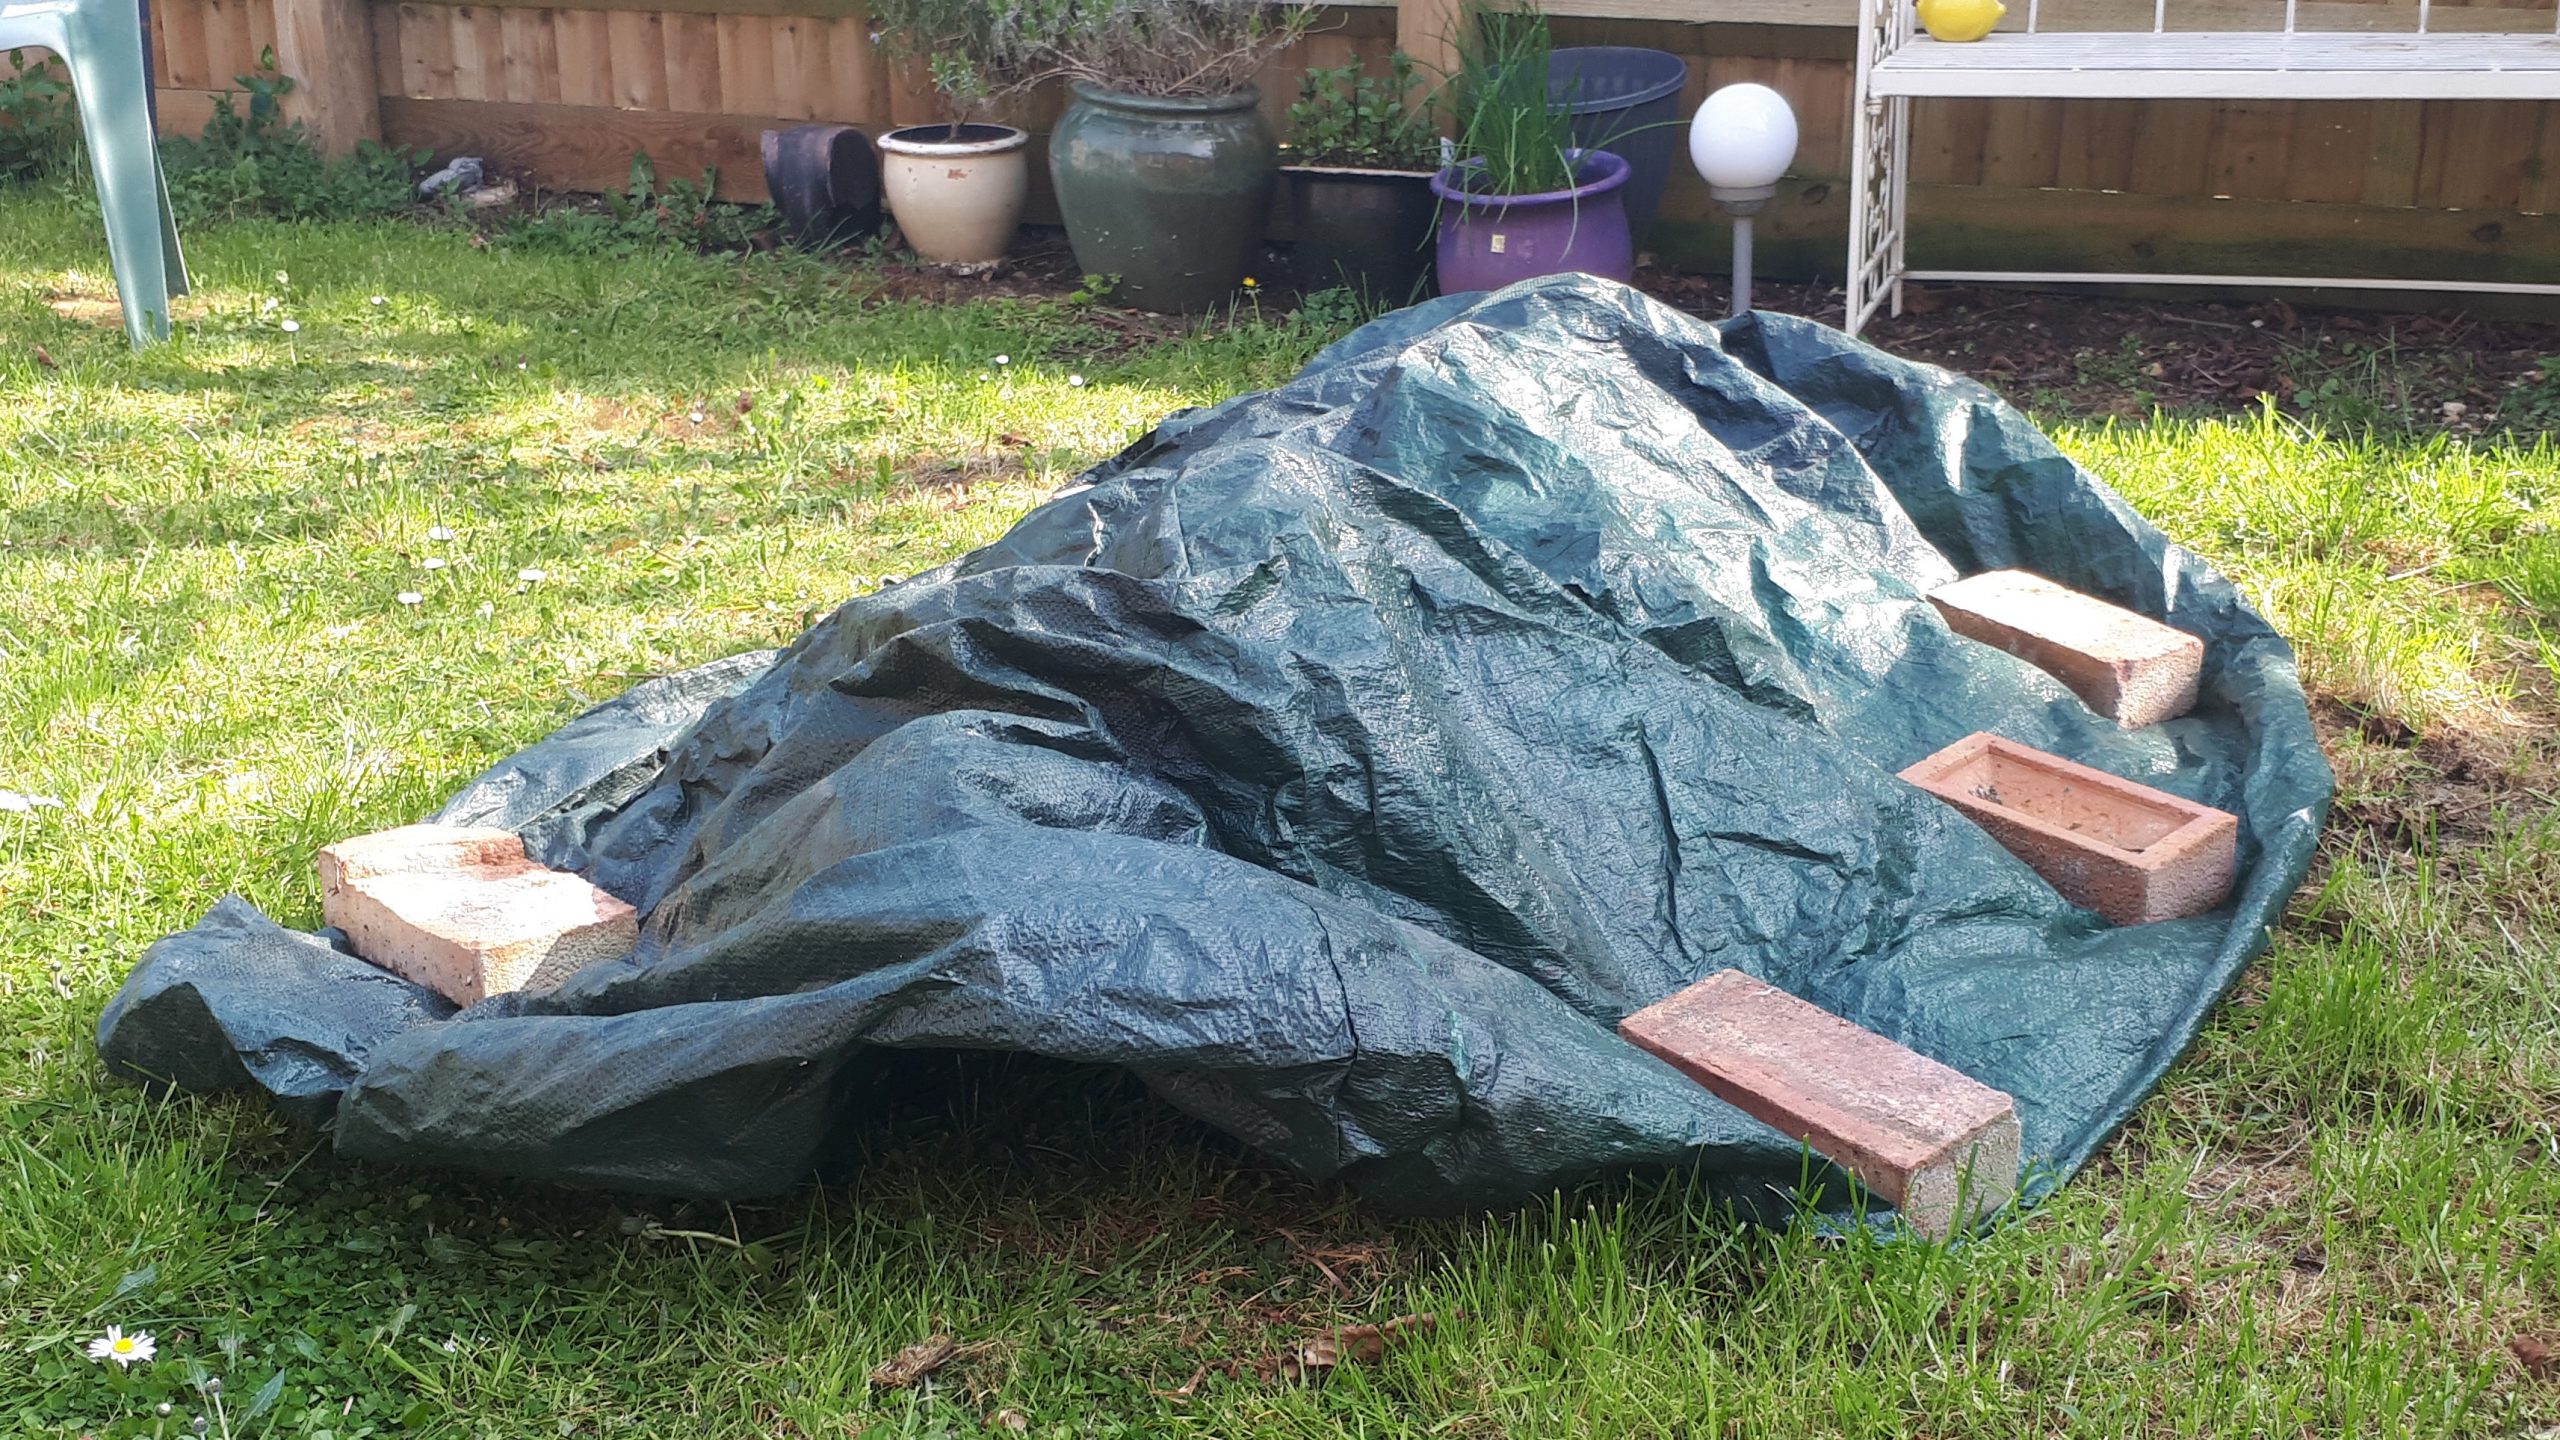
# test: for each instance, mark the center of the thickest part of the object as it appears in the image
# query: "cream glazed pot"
(957, 191)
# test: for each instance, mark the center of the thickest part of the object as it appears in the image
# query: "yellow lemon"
(1957, 21)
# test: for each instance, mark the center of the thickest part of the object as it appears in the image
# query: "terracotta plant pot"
(1169, 195)
(1368, 231)
(1488, 241)
(957, 192)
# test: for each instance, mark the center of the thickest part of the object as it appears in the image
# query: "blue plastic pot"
(1625, 100)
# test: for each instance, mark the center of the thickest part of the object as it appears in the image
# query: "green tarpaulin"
(1345, 760)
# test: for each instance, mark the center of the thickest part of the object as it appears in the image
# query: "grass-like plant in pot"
(957, 188)
(1523, 200)
(1162, 160)
(1362, 150)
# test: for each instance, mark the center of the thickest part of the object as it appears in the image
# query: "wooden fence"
(567, 94)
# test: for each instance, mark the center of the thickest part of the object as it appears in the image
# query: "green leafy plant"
(252, 163)
(1161, 48)
(646, 216)
(1516, 140)
(38, 128)
(957, 41)
(1346, 117)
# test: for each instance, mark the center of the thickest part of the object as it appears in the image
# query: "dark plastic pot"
(1169, 195)
(1368, 231)
(1625, 100)
(825, 181)
(1489, 241)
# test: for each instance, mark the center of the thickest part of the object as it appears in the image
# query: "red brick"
(1940, 1145)
(465, 913)
(2127, 851)
(2128, 667)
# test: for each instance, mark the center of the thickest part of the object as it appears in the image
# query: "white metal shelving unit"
(1897, 64)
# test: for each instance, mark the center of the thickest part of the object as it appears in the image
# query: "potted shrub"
(1358, 165)
(1524, 200)
(1162, 160)
(957, 188)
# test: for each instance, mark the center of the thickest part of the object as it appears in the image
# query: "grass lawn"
(261, 589)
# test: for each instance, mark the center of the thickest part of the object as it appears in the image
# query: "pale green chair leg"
(100, 43)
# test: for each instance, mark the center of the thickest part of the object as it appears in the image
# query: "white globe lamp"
(1742, 142)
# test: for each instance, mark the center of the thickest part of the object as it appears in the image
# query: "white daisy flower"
(289, 326)
(533, 575)
(432, 563)
(1077, 381)
(440, 533)
(697, 417)
(410, 597)
(377, 302)
(126, 1350)
(1004, 359)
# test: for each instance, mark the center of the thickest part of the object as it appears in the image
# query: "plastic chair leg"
(105, 59)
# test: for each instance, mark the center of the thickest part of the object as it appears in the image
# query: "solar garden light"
(1742, 142)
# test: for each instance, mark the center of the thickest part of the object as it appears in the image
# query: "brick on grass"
(1943, 1147)
(2128, 667)
(2127, 851)
(464, 912)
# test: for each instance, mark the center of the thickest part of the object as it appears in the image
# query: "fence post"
(1428, 30)
(327, 47)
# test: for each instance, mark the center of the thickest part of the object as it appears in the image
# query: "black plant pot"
(1368, 231)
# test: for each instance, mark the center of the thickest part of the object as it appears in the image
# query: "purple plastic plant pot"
(1489, 241)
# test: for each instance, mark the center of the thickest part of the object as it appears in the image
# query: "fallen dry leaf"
(46, 360)
(915, 1362)
(2538, 1357)
(1009, 1419)
(1349, 1345)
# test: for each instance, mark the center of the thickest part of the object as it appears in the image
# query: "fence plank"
(327, 47)
(586, 57)
(190, 65)
(389, 77)
(746, 65)
(2469, 159)
(1428, 30)
(858, 86)
(426, 45)
(638, 43)
(2331, 144)
(791, 92)
(2094, 153)
(262, 19)
(228, 48)
(2252, 143)
(2173, 147)
(475, 66)
(2540, 194)
(692, 45)
(1948, 140)
(2399, 134)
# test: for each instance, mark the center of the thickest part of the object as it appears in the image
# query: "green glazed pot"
(1170, 195)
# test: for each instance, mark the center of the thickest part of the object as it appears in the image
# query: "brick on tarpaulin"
(464, 912)
(1943, 1147)
(2127, 851)
(2128, 667)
